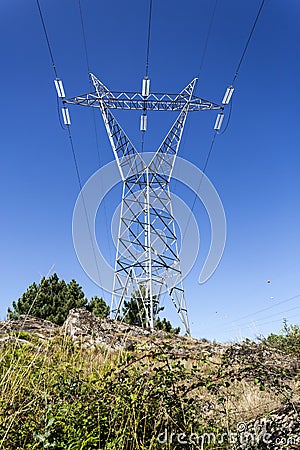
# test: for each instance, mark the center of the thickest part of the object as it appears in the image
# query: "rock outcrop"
(12, 330)
(88, 331)
(279, 430)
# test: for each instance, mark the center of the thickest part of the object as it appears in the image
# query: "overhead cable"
(94, 115)
(148, 38)
(265, 309)
(84, 37)
(200, 183)
(51, 57)
(208, 36)
(83, 202)
(215, 133)
(67, 121)
(230, 89)
(47, 38)
(257, 321)
(226, 98)
(146, 80)
(248, 42)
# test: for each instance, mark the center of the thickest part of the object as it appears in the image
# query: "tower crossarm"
(135, 101)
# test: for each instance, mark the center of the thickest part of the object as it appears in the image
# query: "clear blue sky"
(254, 165)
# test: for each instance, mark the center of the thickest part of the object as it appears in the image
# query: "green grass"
(54, 395)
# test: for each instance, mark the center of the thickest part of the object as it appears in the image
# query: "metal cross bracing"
(135, 100)
(147, 261)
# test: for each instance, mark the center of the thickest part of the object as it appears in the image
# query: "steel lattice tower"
(147, 260)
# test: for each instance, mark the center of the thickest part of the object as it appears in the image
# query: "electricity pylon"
(147, 259)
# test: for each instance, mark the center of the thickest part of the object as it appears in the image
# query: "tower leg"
(147, 261)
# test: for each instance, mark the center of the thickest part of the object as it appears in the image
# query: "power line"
(208, 36)
(94, 116)
(90, 81)
(148, 38)
(248, 42)
(70, 139)
(51, 57)
(47, 38)
(265, 309)
(146, 79)
(280, 312)
(215, 133)
(230, 111)
(274, 321)
(199, 71)
(84, 204)
(200, 183)
(259, 325)
(264, 318)
(83, 201)
(228, 120)
(84, 37)
(205, 46)
(242, 58)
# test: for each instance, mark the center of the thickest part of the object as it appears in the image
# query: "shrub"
(288, 340)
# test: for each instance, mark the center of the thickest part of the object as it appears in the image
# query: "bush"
(56, 398)
(288, 340)
(56, 395)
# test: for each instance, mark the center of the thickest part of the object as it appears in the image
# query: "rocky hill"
(88, 331)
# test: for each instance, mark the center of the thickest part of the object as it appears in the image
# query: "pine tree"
(134, 312)
(98, 307)
(52, 300)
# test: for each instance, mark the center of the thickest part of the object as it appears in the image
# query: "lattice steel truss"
(147, 259)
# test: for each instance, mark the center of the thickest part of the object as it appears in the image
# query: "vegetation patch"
(57, 395)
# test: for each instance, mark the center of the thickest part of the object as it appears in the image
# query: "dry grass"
(128, 394)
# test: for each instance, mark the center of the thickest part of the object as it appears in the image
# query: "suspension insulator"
(143, 123)
(66, 116)
(227, 95)
(59, 88)
(145, 87)
(219, 121)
